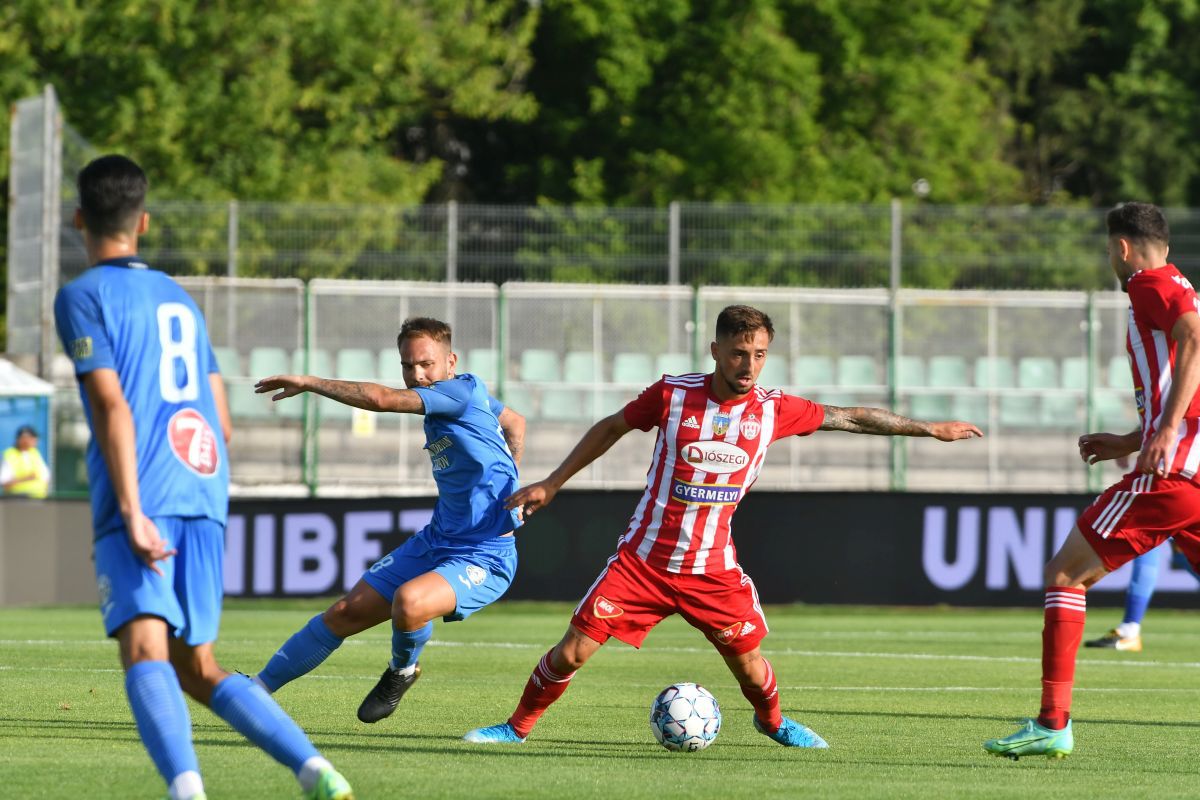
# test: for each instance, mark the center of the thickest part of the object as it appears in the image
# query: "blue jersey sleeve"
(495, 405)
(80, 323)
(450, 398)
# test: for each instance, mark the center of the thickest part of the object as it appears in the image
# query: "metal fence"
(1033, 369)
(829, 246)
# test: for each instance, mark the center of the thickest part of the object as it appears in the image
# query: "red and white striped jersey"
(706, 458)
(1157, 299)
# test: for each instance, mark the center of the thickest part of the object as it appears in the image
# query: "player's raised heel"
(383, 699)
(1031, 739)
(494, 734)
(331, 786)
(793, 734)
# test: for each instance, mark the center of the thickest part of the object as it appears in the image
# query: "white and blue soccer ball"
(685, 716)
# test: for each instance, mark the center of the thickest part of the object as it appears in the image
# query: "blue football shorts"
(479, 572)
(187, 595)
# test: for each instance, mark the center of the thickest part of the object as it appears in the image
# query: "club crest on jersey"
(720, 425)
(750, 427)
(476, 574)
(606, 609)
(193, 442)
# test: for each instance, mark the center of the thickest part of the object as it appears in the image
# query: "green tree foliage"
(278, 100)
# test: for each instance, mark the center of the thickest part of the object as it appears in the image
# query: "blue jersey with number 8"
(139, 322)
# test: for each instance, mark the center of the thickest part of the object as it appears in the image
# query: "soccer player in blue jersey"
(464, 559)
(159, 479)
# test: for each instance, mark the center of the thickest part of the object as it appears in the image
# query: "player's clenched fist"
(532, 497)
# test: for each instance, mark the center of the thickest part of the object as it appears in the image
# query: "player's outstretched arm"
(595, 443)
(1097, 447)
(113, 426)
(882, 422)
(371, 396)
(512, 426)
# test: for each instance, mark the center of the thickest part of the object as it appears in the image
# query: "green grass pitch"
(904, 696)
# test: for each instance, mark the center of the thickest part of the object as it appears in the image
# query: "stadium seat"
(481, 362)
(673, 364)
(945, 372)
(1074, 373)
(774, 374)
(266, 361)
(243, 402)
(319, 362)
(1120, 376)
(521, 399)
(809, 372)
(633, 368)
(228, 361)
(263, 362)
(1066, 410)
(857, 372)
(1034, 375)
(910, 372)
(390, 370)
(580, 367)
(540, 366)
(355, 363)
(566, 405)
(948, 372)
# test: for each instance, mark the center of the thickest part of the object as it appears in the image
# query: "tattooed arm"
(512, 425)
(885, 423)
(370, 396)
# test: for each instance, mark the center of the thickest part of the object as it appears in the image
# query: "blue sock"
(1141, 586)
(162, 717)
(251, 712)
(300, 654)
(407, 645)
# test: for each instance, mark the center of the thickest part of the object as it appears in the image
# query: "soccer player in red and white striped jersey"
(1156, 500)
(676, 556)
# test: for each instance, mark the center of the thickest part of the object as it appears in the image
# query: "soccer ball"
(685, 716)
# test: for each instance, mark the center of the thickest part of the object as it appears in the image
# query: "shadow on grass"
(1014, 718)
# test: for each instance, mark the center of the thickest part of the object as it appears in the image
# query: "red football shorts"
(1138, 514)
(630, 597)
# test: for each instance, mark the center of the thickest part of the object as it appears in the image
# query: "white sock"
(310, 771)
(259, 681)
(1129, 630)
(185, 786)
(409, 670)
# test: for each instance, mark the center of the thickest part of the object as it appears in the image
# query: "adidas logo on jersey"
(690, 422)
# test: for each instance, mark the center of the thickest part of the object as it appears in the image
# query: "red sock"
(543, 688)
(1065, 612)
(765, 700)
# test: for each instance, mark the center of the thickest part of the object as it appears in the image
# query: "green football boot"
(331, 786)
(1031, 739)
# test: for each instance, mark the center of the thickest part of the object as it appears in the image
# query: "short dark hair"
(1138, 221)
(742, 321)
(424, 326)
(112, 195)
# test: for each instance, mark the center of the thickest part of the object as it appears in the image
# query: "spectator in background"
(24, 472)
